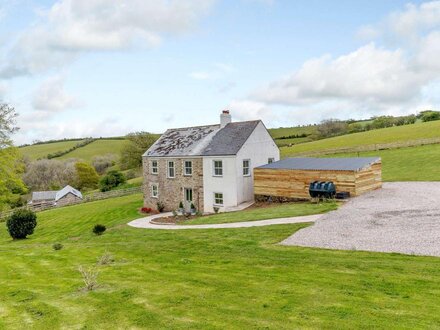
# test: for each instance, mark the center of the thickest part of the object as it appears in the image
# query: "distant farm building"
(67, 195)
(290, 178)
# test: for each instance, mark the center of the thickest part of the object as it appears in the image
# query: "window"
(270, 160)
(246, 167)
(188, 195)
(188, 169)
(218, 168)
(154, 167)
(171, 170)
(154, 191)
(218, 199)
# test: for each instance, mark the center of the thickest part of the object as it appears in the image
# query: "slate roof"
(66, 190)
(208, 140)
(43, 195)
(55, 195)
(330, 164)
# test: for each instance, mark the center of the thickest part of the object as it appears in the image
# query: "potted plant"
(216, 209)
(181, 209)
(193, 209)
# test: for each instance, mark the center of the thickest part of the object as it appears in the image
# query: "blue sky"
(76, 68)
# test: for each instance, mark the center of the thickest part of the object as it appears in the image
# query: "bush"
(146, 210)
(102, 163)
(160, 207)
(86, 175)
(105, 259)
(21, 224)
(430, 116)
(99, 229)
(90, 277)
(57, 246)
(111, 180)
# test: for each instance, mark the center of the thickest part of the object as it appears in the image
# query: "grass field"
(288, 131)
(384, 135)
(42, 150)
(216, 279)
(407, 164)
(272, 212)
(98, 147)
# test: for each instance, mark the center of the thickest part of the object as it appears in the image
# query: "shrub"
(146, 210)
(99, 229)
(216, 209)
(21, 224)
(86, 176)
(193, 207)
(90, 277)
(430, 116)
(111, 180)
(160, 207)
(57, 246)
(105, 259)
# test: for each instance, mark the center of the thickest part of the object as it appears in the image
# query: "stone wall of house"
(68, 199)
(171, 190)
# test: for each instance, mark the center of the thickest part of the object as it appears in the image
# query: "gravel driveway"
(401, 217)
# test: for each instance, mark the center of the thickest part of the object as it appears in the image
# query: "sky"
(77, 68)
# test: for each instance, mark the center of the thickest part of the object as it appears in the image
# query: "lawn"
(270, 212)
(42, 150)
(378, 136)
(215, 279)
(97, 148)
(407, 164)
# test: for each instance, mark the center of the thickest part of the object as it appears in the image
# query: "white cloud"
(200, 75)
(370, 80)
(71, 27)
(50, 97)
(250, 110)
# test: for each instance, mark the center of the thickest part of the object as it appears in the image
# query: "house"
(67, 195)
(290, 178)
(210, 166)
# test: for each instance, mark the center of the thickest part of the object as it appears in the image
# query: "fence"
(87, 198)
(371, 147)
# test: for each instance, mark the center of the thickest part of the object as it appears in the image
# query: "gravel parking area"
(401, 217)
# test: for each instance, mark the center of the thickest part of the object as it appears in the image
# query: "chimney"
(225, 118)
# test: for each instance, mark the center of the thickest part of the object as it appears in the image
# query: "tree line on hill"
(335, 127)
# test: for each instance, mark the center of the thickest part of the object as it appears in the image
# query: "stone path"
(146, 223)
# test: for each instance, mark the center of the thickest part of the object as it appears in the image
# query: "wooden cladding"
(295, 183)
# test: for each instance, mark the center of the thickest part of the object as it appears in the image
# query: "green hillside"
(406, 164)
(96, 148)
(384, 135)
(42, 150)
(288, 131)
(192, 279)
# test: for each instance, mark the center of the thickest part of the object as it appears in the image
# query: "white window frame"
(154, 185)
(153, 168)
(185, 168)
(270, 160)
(173, 167)
(218, 198)
(214, 168)
(248, 167)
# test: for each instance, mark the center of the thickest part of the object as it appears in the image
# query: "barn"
(290, 178)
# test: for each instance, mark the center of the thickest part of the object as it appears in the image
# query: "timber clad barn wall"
(273, 180)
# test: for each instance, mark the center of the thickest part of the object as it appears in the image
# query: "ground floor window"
(188, 194)
(218, 199)
(154, 191)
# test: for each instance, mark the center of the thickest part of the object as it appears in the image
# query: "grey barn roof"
(208, 140)
(329, 164)
(44, 195)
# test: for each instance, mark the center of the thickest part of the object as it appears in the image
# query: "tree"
(332, 127)
(48, 174)
(87, 178)
(111, 180)
(102, 163)
(21, 224)
(430, 116)
(138, 143)
(11, 167)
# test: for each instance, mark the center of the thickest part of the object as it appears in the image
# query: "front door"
(188, 198)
